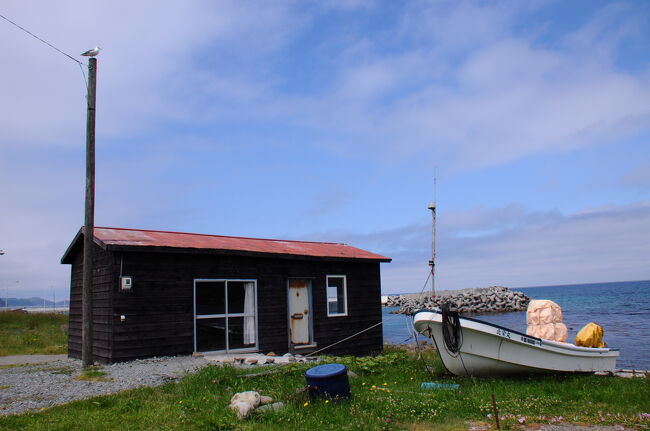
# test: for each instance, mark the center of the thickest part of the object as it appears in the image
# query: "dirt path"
(35, 386)
(29, 359)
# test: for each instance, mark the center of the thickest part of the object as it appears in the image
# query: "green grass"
(93, 374)
(386, 395)
(32, 333)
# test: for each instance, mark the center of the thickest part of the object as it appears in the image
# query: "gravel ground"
(32, 387)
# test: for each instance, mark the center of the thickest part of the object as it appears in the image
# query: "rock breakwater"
(494, 299)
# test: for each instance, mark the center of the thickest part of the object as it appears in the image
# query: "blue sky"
(323, 120)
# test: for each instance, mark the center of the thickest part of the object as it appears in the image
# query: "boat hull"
(489, 349)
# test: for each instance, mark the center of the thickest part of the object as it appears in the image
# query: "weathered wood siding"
(159, 311)
(103, 287)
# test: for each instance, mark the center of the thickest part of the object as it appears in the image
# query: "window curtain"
(249, 313)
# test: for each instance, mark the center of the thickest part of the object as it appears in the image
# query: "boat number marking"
(528, 340)
(503, 333)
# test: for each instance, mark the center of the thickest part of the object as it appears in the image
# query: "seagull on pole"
(92, 52)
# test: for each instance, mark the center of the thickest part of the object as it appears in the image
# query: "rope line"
(44, 41)
(425, 285)
(353, 335)
(85, 79)
(369, 328)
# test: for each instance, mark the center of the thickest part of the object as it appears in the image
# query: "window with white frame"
(225, 313)
(337, 301)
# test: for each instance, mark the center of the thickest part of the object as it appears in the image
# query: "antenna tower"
(432, 262)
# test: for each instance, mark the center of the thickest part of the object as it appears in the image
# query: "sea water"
(622, 309)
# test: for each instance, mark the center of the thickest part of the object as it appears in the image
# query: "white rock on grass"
(275, 407)
(244, 402)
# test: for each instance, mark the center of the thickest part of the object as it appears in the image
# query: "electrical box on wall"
(126, 283)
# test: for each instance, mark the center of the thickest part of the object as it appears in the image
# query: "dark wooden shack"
(166, 293)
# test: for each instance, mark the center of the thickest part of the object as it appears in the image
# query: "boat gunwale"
(514, 331)
(565, 347)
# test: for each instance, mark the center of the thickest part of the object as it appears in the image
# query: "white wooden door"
(299, 311)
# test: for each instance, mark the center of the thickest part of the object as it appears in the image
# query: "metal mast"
(432, 262)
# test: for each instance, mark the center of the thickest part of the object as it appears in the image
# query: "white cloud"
(457, 26)
(512, 247)
(496, 123)
(456, 82)
(500, 97)
(541, 249)
(464, 87)
(150, 70)
(638, 178)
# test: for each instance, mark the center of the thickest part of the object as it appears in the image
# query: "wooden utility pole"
(89, 225)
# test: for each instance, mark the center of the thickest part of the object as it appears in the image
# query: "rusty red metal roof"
(118, 237)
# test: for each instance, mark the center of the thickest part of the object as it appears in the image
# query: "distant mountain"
(30, 302)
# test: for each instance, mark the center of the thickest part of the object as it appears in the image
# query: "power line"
(44, 41)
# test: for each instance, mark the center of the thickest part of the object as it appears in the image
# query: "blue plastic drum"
(329, 380)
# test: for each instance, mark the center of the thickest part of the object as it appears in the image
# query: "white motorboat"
(470, 347)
